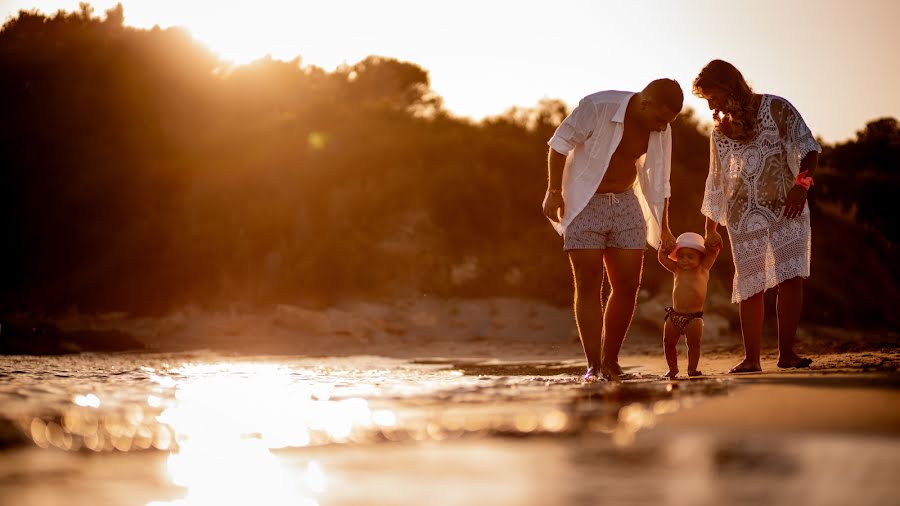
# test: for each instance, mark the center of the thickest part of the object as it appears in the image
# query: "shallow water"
(207, 429)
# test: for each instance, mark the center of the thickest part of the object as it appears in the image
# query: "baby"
(690, 262)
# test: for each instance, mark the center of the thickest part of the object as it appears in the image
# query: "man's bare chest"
(633, 144)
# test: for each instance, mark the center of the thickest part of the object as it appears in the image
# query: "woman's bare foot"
(746, 366)
(793, 361)
(671, 373)
(695, 373)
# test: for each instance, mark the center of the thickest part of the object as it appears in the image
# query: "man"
(608, 201)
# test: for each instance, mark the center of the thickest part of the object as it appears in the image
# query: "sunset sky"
(833, 59)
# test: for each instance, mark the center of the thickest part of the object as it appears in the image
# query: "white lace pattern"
(745, 191)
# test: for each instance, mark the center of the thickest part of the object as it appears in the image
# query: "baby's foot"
(694, 373)
(746, 366)
(671, 374)
(793, 361)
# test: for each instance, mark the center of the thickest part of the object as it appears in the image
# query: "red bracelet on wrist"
(804, 180)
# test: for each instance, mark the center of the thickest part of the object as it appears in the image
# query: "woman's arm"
(713, 239)
(810, 163)
(711, 255)
(796, 197)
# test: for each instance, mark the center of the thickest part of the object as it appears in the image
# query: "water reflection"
(303, 402)
(205, 429)
(229, 417)
(225, 422)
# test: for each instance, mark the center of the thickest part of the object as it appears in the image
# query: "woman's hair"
(738, 108)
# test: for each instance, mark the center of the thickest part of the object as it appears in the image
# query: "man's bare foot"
(671, 373)
(746, 366)
(612, 371)
(694, 373)
(793, 361)
(592, 375)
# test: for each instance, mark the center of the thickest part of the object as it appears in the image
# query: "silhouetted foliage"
(865, 176)
(140, 173)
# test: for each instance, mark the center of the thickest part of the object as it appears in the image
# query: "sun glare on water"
(229, 418)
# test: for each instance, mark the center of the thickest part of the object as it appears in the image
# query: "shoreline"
(497, 328)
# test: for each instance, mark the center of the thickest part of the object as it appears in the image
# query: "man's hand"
(713, 240)
(667, 241)
(554, 207)
(793, 203)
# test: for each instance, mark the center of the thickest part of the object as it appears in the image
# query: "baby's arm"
(711, 255)
(663, 257)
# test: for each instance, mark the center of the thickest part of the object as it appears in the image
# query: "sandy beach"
(442, 402)
(401, 419)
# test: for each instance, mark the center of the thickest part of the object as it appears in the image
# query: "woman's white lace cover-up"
(746, 190)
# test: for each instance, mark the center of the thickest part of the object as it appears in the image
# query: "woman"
(762, 159)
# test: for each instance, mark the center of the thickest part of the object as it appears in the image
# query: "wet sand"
(440, 424)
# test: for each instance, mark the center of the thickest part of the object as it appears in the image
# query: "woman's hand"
(554, 207)
(793, 203)
(713, 240)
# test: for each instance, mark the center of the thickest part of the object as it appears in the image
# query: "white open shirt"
(589, 137)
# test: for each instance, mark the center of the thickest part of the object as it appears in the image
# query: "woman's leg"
(752, 311)
(790, 302)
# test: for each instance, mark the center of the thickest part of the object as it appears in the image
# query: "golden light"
(241, 32)
(229, 417)
(89, 400)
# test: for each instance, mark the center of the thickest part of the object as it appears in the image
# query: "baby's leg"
(692, 333)
(670, 342)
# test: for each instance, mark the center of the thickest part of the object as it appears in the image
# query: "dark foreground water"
(205, 429)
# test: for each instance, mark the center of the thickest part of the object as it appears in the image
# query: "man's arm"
(556, 162)
(667, 240)
(572, 132)
(663, 256)
(555, 207)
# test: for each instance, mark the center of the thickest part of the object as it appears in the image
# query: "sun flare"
(241, 32)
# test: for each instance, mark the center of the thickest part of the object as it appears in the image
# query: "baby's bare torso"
(689, 293)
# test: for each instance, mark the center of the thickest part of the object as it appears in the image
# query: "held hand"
(554, 207)
(667, 241)
(713, 240)
(793, 203)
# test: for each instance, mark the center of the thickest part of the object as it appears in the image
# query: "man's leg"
(624, 268)
(752, 311)
(788, 306)
(587, 270)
